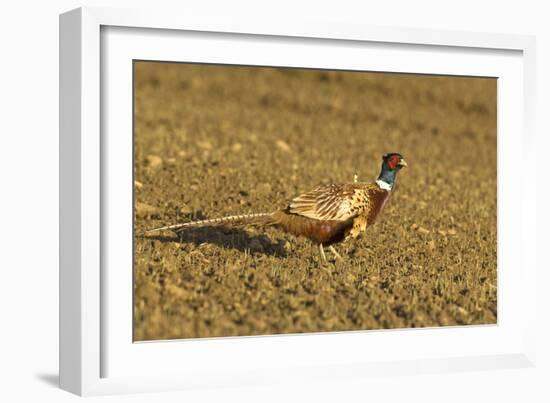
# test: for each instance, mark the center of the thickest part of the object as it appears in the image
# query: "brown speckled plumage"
(335, 211)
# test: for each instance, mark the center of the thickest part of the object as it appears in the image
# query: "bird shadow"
(234, 238)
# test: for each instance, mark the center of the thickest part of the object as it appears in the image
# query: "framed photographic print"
(246, 202)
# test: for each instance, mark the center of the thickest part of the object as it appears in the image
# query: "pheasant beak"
(402, 163)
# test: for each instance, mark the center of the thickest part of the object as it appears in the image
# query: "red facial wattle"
(393, 162)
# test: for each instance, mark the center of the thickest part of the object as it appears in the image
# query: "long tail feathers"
(230, 221)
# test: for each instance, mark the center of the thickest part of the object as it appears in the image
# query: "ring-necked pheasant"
(326, 215)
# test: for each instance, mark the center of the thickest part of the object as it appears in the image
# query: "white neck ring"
(384, 185)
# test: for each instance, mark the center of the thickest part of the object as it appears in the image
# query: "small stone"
(182, 153)
(138, 185)
(462, 310)
(283, 146)
(263, 189)
(204, 144)
(153, 161)
(293, 302)
(171, 161)
(423, 230)
(442, 232)
(145, 210)
(236, 147)
(185, 210)
(452, 231)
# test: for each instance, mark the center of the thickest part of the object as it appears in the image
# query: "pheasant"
(326, 215)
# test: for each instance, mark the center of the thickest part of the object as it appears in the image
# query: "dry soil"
(212, 141)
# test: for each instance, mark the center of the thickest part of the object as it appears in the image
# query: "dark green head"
(391, 164)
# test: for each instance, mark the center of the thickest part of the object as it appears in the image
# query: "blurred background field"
(212, 141)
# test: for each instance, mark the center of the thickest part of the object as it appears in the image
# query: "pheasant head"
(391, 164)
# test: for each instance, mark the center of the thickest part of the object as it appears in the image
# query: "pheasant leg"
(322, 251)
(336, 254)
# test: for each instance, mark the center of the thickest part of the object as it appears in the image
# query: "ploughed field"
(212, 141)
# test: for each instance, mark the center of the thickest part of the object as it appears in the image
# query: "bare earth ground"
(213, 141)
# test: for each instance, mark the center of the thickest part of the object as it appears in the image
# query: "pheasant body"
(331, 213)
(325, 232)
(325, 215)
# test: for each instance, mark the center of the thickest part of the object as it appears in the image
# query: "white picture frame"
(96, 354)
